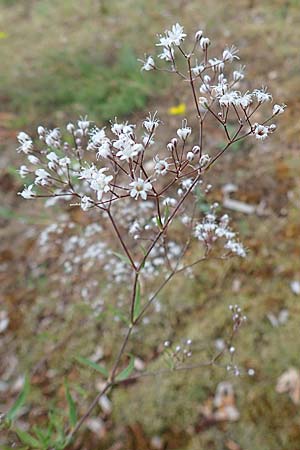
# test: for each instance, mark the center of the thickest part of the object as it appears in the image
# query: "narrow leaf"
(20, 400)
(121, 257)
(27, 439)
(125, 373)
(71, 405)
(93, 365)
(137, 301)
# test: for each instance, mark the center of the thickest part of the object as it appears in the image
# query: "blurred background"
(61, 59)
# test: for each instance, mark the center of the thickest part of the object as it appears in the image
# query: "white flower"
(148, 64)
(151, 123)
(87, 173)
(42, 177)
(204, 43)
(86, 203)
(198, 69)
(99, 142)
(83, 124)
(53, 160)
(217, 65)
(26, 143)
(229, 98)
(262, 95)
(185, 131)
(33, 159)
(244, 100)
(27, 192)
(129, 150)
(167, 54)
(238, 74)
(100, 182)
(70, 128)
(236, 247)
(134, 227)
(204, 160)
(64, 162)
(176, 35)
(161, 165)
(140, 188)
(23, 171)
(278, 109)
(53, 138)
(261, 132)
(229, 54)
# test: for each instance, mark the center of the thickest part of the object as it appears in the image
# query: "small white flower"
(151, 123)
(238, 75)
(204, 43)
(26, 143)
(295, 287)
(83, 124)
(176, 34)
(100, 182)
(33, 160)
(70, 128)
(167, 54)
(86, 203)
(261, 132)
(53, 138)
(129, 151)
(23, 171)
(27, 192)
(53, 160)
(148, 64)
(229, 98)
(140, 188)
(244, 100)
(262, 95)
(161, 165)
(229, 54)
(198, 69)
(204, 160)
(278, 109)
(185, 131)
(42, 177)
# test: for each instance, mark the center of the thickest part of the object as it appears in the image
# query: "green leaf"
(20, 400)
(121, 257)
(93, 365)
(71, 405)
(137, 302)
(125, 373)
(27, 439)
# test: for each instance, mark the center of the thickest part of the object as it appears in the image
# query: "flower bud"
(204, 43)
(190, 156)
(70, 128)
(198, 35)
(41, 130)
(196, 149)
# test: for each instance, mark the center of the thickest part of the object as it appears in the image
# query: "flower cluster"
(211, 229)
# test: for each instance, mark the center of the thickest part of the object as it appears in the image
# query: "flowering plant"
(142, 191)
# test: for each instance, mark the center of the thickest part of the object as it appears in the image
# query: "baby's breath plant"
(144, 200)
